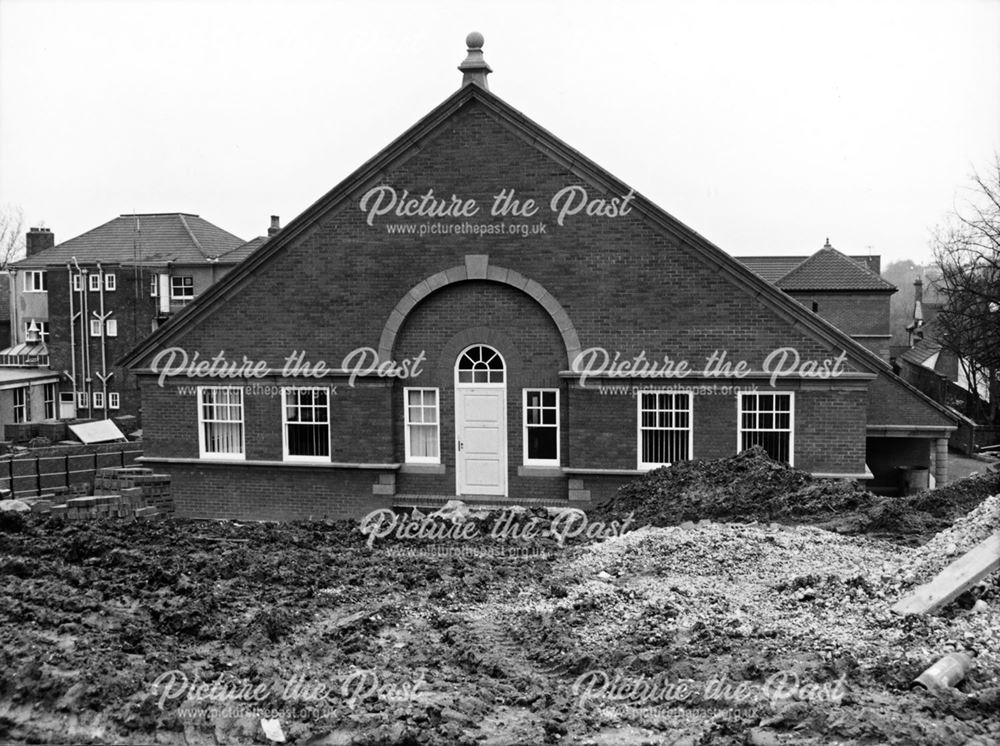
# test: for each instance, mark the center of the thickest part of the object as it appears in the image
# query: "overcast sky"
(765, 126)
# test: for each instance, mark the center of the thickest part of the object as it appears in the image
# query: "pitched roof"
(243, 251)
(555, 148)
(828, 269)
(921, 352)
(773, 268)
(155, 238)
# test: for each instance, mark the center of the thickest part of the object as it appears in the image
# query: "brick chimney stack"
(39, 239)
(474, 68)
(275, 226)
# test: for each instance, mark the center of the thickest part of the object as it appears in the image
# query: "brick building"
(847, 291)
(480, 310)
(94, 297)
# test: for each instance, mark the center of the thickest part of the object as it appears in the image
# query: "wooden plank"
(955, 579)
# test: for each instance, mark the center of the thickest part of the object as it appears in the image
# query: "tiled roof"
(145, 239)
(921, 352)
(243, 251)
(828, 269)
(773, 268)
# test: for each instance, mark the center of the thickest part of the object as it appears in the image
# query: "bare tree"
(11, 235)
(967, 253)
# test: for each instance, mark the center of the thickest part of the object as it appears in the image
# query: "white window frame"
(202, 450)
(22, 410)
(39, 281)
(114, 400)
(94, 283)
(82, 400)
(98, 400)
(76, 282)
(648, 466)
(183, 286)
(111, 328)
(110, 282)
(285, 390)
(50, 406)
(95, 327)
(406, 424)
(791, 420)
(524, 429)
(154, 286)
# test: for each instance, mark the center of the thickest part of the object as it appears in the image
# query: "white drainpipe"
(72, 335)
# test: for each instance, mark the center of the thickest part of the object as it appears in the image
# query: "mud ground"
(712, 632)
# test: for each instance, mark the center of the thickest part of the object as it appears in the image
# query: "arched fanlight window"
(480, 364)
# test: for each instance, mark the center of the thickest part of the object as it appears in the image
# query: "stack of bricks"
(129, 503)
(120, 492)
(155, 487)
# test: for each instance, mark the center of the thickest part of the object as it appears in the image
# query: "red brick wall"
(521, 331)
(625, 285)
(830, 430)
(891, 403)
(172, 429)
(853, 312)
(271, 493)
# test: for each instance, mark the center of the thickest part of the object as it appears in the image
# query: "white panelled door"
(482, 446)
(480, 422)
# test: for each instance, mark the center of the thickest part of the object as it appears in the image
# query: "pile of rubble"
(752, 487)
(954, 541)
(497, 639)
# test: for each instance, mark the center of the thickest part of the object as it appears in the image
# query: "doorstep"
(485, 502)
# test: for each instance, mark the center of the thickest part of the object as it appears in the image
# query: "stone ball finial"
(474, 40)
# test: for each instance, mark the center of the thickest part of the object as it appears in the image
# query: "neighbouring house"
(847, 291)
(5, 335)
(92, 298)
(943, 375)
(482, 311)
(28, 387)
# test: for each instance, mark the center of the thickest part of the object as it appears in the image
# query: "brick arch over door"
(477, 267)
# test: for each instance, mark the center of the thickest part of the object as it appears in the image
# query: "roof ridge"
(795, 268)
(883, 284)
(241, 246)
(194, 238)
(156, 214)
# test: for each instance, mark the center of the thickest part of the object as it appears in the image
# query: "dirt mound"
(749, 486)
(947, 546)
(753, 487)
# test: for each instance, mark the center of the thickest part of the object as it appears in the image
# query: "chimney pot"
(275, 225)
